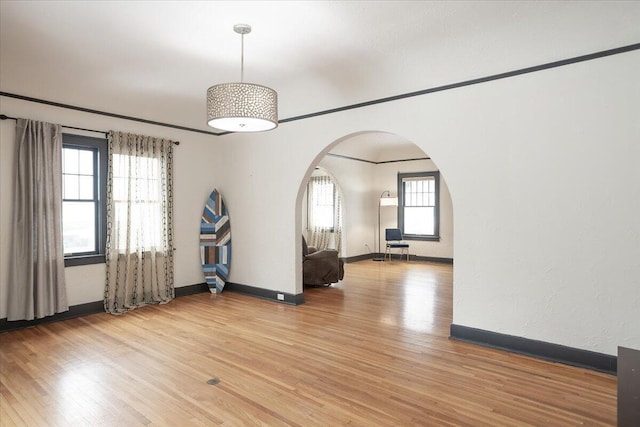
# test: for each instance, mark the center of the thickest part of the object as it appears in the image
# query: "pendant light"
(242, 107)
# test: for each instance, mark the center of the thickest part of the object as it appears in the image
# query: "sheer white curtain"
(139, 250)
(36, 279)
(324, 213)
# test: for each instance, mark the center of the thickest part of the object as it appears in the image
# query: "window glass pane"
(86, 187)
(137, 194)
(419, 220)
(419, 207)
(146, 225)
(323, 216)
(79, 227)
(70, 160)
(82, 190)
(85, 162)
(322, 204)
(70, 187)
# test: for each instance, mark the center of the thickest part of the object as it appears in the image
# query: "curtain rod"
(5, 117)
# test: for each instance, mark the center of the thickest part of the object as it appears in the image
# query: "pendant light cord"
(242, 58)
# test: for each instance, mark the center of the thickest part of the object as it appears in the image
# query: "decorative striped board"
(215, 242)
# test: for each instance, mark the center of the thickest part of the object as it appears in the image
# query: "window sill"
(84, 260)
(421, 238)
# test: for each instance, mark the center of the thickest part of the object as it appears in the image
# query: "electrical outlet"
(280, 297)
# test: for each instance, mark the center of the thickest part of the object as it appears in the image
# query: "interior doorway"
(367, 164)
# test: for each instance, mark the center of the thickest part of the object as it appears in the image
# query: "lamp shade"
(242, 107)
(388, 201)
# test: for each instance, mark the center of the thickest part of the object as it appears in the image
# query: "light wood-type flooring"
(370, 351)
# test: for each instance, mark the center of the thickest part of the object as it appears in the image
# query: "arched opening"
(367, 164)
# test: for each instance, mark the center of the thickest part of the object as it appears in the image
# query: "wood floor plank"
(370, 351)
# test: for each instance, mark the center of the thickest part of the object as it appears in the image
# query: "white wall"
(542, 168)
(197, 166)
(543, 171)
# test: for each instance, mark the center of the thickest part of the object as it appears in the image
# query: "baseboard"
(183, 291)
(427, 259)
(357, 258)
(399, 257)
(540, 349)
(98, 306)
(293, 299)
(74, 311)
(86, 309)
(269, 294)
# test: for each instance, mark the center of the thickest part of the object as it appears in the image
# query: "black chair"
(393, 236)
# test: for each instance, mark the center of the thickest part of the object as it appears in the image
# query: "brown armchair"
(320, 267)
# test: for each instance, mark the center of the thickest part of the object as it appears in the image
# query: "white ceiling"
(155, 60)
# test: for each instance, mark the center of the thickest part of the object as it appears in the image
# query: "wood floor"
(371, 351)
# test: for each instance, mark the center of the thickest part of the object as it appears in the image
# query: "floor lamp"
(385, 200)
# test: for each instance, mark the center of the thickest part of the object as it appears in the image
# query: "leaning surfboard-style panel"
(215, 242)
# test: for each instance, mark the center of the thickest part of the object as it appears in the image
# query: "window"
(137, 201)
(321, 203)
(418, 205)
(84, 171)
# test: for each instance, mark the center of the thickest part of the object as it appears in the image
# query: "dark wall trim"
(106, 133)
(536, 68)
(540, 349)
(340, 156)
(269, 294)
(357, 258)
(98, 306)
(198, 288)
(365, 257)
(421, 258)
(427, 258)
(86, 309)
(104, 113)
(542, 67)
(74, 311)
(402, 160)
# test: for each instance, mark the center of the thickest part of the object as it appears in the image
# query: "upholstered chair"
(320, 267)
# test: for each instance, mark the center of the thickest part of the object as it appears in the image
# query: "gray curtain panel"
(36, 278)
(139, 249)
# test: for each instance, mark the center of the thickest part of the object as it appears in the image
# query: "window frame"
(100, 164)
(435, 237)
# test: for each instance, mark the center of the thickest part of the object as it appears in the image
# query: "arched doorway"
(366, 164)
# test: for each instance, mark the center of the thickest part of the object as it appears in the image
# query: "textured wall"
(543, 174)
